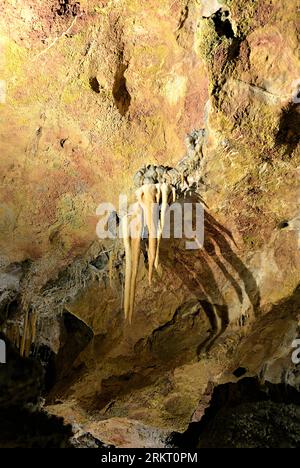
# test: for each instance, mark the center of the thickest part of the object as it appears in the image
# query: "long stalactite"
(149, 211)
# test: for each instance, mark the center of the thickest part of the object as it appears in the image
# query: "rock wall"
(93, 91)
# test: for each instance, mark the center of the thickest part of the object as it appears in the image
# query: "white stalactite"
(145, 211)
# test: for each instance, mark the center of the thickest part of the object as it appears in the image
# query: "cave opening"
(95, 85)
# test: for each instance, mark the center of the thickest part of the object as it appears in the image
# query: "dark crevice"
(120, 92)
(283, 225)
(46, 357)
(101, 261)
(289, 127)
(227, 53)
(22, 423)
(9, 309)
(239, 372)
(222, 24)
(94, 84)
(183, 18)
(68, 8)
(62, 142)
(75, 337)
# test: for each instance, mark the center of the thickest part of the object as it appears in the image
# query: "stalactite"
(174, 194)
(145, 211)
(136, 232)
(25, 330)
(18, 338)
(132, 230)
(23, 340)
(147, 196)
(13, 335)
(33, 327)
(128, 265)
(110, 267)
(158, 193)
(165, 190)
(28, 343)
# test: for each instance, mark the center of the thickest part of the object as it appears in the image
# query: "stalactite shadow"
(203, 272)
(212, 311)
(215, 232)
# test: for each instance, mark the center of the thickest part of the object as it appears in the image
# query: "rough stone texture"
(256, 425)
(96, 92)
(112, 432)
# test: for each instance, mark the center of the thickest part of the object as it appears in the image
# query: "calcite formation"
(149, 212)
(160, 187)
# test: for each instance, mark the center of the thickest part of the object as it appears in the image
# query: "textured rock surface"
(90, 98)
(97, 91)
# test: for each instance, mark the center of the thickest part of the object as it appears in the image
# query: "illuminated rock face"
(92, 93)
(97, 92)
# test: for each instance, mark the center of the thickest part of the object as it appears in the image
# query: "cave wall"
(94, 92)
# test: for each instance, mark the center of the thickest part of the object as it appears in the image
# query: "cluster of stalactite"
(23, 336)
(143, 213)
